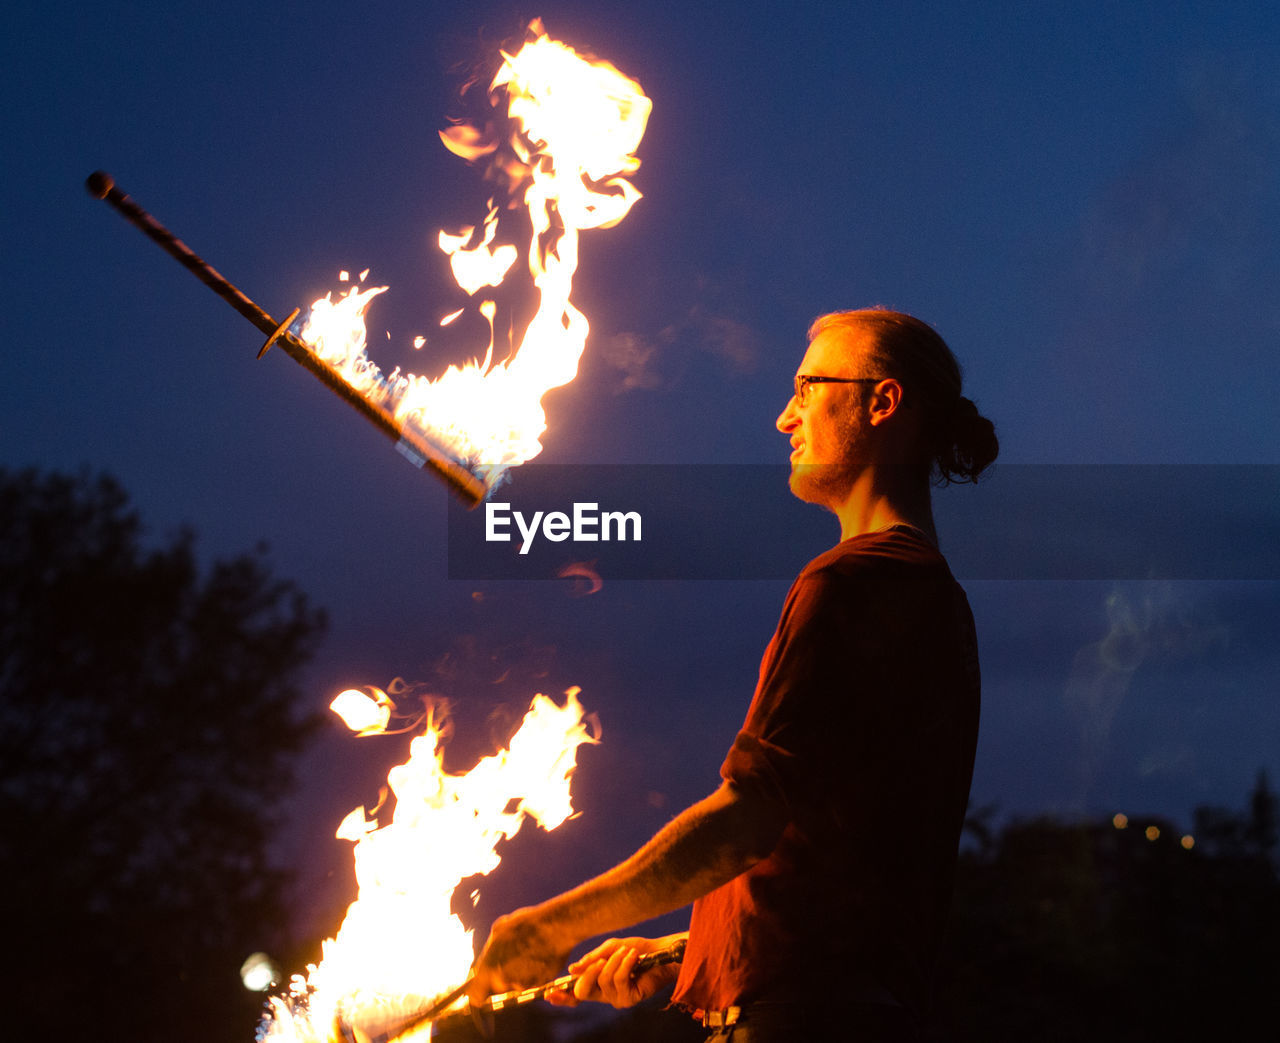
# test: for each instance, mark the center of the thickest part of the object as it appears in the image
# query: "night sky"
(1082, 198)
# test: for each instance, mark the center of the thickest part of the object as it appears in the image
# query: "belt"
(867, 992)
(715, 1019)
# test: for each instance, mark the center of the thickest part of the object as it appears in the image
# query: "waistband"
(859, 991)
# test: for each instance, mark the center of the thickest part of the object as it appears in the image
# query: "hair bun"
(973, 444)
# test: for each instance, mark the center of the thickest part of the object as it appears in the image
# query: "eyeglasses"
(803, 380)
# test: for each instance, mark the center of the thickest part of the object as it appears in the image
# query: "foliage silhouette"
(148, 713)
(1116, 930)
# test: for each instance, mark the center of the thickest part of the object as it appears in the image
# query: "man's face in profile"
(824, 420)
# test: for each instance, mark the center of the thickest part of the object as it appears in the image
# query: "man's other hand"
(607, 974)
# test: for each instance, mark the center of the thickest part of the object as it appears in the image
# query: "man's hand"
(522, 951)
(606, 974)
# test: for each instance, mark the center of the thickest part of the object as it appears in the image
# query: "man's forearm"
(703, 847)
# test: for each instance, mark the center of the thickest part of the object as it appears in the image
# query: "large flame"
(399, 937)
(574, 128)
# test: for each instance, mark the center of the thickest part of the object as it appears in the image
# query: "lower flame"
(399, 937)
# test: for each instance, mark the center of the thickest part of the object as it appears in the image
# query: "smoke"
(647, 362)
(1190, 215)
(635, 358)
(733, 342)
(1148, 624)
(1173, 262)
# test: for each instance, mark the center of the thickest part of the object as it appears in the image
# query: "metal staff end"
(99, 184)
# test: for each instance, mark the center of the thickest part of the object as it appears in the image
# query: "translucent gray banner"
(711, 522)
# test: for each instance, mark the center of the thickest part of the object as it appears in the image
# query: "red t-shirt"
(864, 724)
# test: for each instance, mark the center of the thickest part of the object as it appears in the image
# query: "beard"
(823, 484)
(829, 484)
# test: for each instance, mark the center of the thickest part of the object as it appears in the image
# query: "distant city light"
(259, 972)
(1188, 841)
(1120, 820)
(1153, 832)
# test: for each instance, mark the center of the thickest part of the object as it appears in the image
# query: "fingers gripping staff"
(673, 953)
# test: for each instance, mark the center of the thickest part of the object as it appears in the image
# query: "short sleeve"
(817, 679)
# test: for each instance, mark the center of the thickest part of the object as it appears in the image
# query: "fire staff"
(821, 869)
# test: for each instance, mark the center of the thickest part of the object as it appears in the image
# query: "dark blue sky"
(1082, 198)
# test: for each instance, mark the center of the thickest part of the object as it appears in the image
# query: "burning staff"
(401, 942)
(566, 146)
(373, 1025)
(413, 445)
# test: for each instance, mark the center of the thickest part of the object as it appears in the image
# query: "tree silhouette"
(1116, 930)
(1261, 831)
(147, 717)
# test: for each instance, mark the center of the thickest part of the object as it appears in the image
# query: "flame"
(483, 264)
(574, 127)
(399, 937)
(335, 333)
(364, 714)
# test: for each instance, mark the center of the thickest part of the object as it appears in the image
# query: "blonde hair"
(961, 442)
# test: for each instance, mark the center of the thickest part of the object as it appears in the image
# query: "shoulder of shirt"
(875, 554)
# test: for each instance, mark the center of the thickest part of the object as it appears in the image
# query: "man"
(821, 869)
